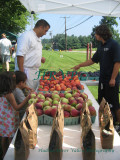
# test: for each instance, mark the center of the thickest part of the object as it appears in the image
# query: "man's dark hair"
(103, 31)
(20, 77)
(42, 22)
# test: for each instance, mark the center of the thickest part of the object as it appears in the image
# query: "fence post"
(87, 57)
(90, 50)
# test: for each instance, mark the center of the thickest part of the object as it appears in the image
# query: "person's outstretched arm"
(10, 97)
(84, 64)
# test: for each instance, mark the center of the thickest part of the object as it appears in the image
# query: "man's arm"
(114, 74)
(20, 61)
(84, 64)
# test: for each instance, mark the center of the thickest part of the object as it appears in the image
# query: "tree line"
(74, 42)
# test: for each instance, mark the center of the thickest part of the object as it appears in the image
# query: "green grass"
(69, 60)
(94, 91)
(55, 62)
(83, 49)
(12, 65)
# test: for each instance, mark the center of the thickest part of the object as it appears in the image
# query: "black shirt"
(107, 54)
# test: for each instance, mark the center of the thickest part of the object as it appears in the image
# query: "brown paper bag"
(56, 138)
(87, 137)
(105, 116)
(107, 129)
(32, 124)
(31, 134)
(22, 143)
(32, 117)
(101, 110)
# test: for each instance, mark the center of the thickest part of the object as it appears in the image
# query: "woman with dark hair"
(108, 56)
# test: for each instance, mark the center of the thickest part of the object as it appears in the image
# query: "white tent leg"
(31, 21)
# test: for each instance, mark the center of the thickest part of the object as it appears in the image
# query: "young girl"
(9, 115)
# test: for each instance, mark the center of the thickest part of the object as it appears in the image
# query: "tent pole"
(32, 19)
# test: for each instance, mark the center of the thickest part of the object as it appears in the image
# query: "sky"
(57, 23)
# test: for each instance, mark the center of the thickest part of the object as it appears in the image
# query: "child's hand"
(29, 89)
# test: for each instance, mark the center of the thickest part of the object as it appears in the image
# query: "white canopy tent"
(82, 7)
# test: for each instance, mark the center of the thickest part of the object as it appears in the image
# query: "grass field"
(84, 49)
(55, 61)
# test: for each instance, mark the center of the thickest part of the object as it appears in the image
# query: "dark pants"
(111, 95)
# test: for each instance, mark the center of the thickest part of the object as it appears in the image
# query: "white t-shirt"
(5, 45)
(29, 46)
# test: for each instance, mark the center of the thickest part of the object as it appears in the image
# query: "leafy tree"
(59, 41)
(75, 42)
(69, 42)
(13, 16)
(93, 39)
(46, 44)
(84, 40)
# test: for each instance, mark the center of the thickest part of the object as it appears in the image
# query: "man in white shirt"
(29, 52)
(5, 45)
